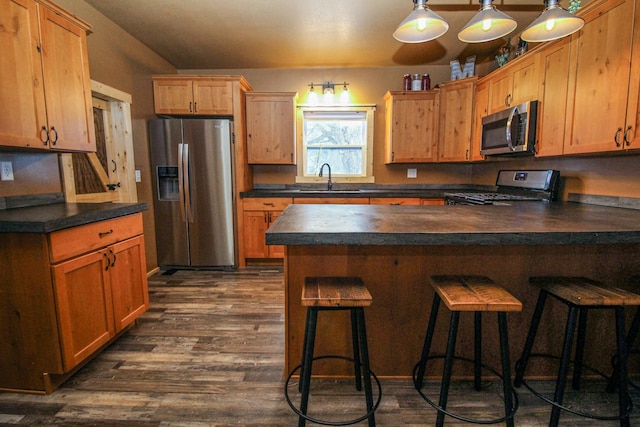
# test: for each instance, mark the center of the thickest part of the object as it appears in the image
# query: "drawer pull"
(105, 233)
(269, 204)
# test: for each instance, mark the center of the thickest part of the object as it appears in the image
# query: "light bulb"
(344, 96)
(550, 24)
(422, 24)
(486, 25)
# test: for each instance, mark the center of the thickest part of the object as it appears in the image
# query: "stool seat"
(335, 292)
(473, 293)
(582, 291)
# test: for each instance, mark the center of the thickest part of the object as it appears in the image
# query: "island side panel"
(398, 279)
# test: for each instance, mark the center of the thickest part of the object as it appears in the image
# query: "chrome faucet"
(329, 183)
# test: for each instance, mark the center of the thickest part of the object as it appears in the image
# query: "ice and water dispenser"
(168, 187)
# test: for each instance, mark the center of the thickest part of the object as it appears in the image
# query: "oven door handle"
(514, 110)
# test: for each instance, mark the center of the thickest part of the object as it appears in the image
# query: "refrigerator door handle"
(187, 183)
(181, 181)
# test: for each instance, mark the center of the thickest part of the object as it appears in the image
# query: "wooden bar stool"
(332, 294)
(475, 294)
(580, 295)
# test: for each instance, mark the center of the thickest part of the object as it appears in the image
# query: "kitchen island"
(396, 248)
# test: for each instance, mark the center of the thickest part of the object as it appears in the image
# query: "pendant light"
(553, 23)
(488, 24)
(421, 25)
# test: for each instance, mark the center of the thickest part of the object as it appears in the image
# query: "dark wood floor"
(209, 352)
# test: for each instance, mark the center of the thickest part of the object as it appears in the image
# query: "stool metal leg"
(448, 366)
(356, 349)
(531, 336)
(564, 365)
(366, 371)
(634, 330)
(426, 348)
(477, 351)
(307, 361)
(579, 359)
(624, 402)
(506, 371)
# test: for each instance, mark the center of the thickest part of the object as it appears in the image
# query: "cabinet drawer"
(74, 241)
(407, 201)
(266, 204)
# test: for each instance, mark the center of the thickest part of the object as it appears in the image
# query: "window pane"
(343, 161)
(335, 132)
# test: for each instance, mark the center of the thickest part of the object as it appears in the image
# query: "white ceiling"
(229, 34)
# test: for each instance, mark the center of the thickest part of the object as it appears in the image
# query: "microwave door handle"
(514, 110)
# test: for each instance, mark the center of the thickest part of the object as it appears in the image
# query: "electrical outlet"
(138, 177)
(6, 171)
(412, 173)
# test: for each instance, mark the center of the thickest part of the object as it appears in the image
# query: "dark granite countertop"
(362, 191)
(57, 216)
(522, 223)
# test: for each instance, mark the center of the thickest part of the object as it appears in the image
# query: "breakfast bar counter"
(396, 248)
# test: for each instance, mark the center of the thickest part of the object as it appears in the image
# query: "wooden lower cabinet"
(259, 214)
(65, 296)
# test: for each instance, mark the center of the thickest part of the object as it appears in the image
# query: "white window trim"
(369, 110)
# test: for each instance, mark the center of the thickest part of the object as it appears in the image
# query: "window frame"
(368, 176)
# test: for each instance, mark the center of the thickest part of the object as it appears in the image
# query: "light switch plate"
(138, 177)
(6, 171)
(412, 173)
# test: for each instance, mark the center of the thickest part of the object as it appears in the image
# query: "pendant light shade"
(488, 24)
(421, 25)
(553, 23)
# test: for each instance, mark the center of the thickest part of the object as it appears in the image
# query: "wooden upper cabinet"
(553, 112)
(514, 84)
(271, 128)
(456, 120)
(193, 96)
(605, 89)
(45, 87)
(480, 109)
(411, 126)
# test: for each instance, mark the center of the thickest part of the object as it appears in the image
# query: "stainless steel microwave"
(511, 131)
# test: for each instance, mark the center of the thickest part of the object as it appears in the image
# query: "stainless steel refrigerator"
(192, 162)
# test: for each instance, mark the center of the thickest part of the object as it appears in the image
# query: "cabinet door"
(456, 119)
(553, 96)
(514, 84)
(480, 109)
(601, 52)
(499, 91)
(21, 87)
(67, 83)
(173, 96)
(271, 128)
(255, 227)
(275, 251)
(127, 273)
(84, 306)
(411, 127)
(212, 97)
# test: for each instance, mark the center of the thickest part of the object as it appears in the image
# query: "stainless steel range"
(513, 186)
